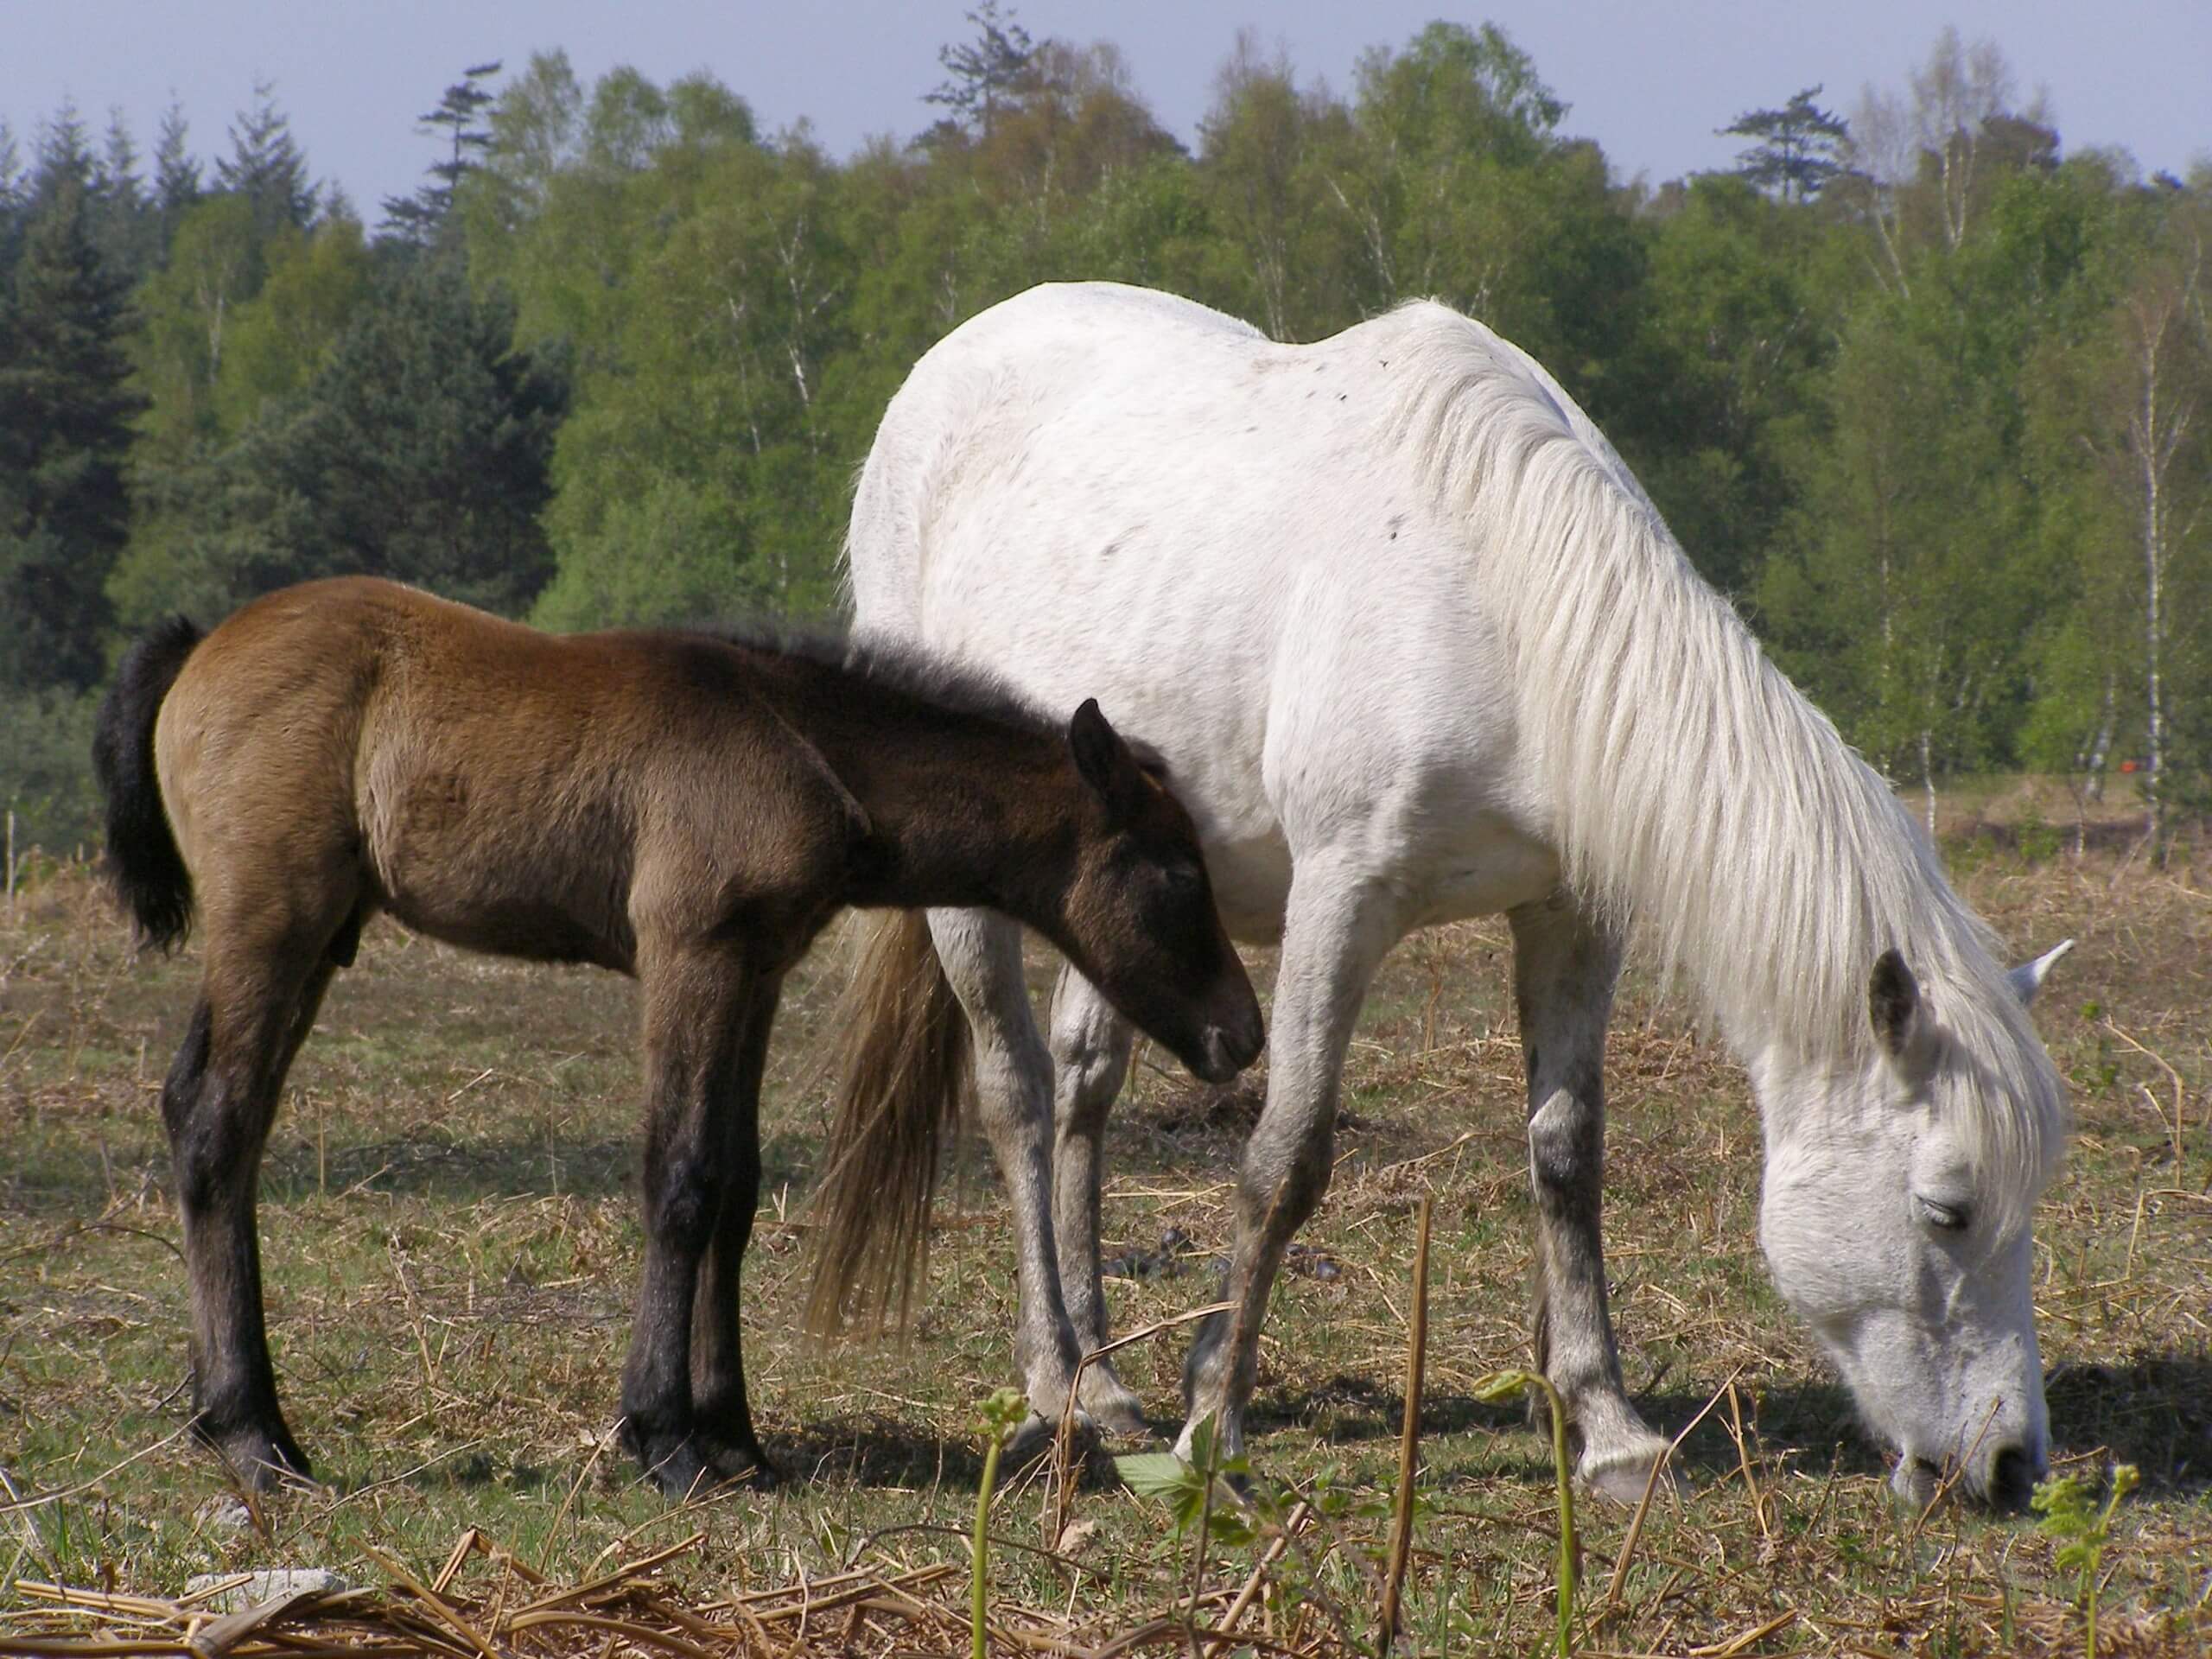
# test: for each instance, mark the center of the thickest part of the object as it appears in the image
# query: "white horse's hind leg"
(981, 954)
(1091, 1048)
(1563, 972)
(1338, 923)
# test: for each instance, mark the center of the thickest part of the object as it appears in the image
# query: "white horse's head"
(1895, 1219)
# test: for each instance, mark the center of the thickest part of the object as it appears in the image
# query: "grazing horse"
(685, 809)
(1415, 646)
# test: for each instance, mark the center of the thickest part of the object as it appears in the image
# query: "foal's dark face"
(1141, 913)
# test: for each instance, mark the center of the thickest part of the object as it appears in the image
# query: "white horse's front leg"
(1564, 968)
(1090, 1050)
(1338, 923)
(981, 954)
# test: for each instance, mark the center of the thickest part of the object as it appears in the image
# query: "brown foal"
(683, 808)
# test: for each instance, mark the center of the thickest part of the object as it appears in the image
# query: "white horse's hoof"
(1112, 1405)
(1622, 1476)
(1038, 1432)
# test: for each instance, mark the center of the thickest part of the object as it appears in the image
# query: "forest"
(1927, 392)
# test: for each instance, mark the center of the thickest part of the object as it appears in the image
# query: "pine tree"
(420, 218)
(266, 167)
(176, 173)
(1797, 147)
(14, 201)
(126, 227)
(986, 70)
(65, 410)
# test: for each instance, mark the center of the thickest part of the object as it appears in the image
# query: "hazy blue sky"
(1649, 81)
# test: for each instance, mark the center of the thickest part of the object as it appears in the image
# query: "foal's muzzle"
(1229, 1049)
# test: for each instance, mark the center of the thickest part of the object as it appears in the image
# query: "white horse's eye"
(1946, 1217)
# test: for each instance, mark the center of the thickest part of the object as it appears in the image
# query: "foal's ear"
(1102, 759)
(2027, 978)
(1893, 1003)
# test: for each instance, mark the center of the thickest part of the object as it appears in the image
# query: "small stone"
(271, 1584)
(225, 1516)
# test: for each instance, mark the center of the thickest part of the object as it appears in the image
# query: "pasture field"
(450, 1242)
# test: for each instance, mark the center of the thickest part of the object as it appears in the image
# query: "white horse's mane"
(1714, 816)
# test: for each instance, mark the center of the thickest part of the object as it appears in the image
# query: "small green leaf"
(1007, 1408)
(1156, 1474)
(1503, 1385)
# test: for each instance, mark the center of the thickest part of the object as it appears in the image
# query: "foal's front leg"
(721, 1416)
(698, 997)
(1564, 967)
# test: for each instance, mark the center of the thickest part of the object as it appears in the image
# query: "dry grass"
(450, 1242)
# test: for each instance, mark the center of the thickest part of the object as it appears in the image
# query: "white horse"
(1412, 644)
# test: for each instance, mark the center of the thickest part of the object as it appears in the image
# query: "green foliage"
(1878, 379)
(45, 738)
(65, 414)
(419, 450)
(1201, 1492)
(2070, 1516)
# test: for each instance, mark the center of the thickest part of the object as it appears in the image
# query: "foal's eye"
(1944, 1218)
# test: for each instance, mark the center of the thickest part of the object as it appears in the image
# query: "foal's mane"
(1715, 816)
(895, 666)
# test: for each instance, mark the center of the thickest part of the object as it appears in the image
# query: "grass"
(450, 1242)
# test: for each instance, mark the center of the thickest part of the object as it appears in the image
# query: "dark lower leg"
(217, 1105)
(694, 1013)
(720, 1410)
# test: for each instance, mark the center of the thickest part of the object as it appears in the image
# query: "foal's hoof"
(259, 1459)
(745, 1466)
(678, 1464)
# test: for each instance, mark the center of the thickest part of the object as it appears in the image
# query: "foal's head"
(1895, 1217)
(1138, 918)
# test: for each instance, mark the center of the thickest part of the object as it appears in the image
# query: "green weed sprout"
(1003, 1412)
(1501, 1386)
(2068, 1508)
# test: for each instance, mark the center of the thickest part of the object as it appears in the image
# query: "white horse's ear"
(2027, 978)
(1893, 1004)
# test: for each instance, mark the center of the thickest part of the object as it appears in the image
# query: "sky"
(1650, 82)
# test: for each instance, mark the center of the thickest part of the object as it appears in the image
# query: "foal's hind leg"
(1091, 1051)
(721, 1412)
(217, 1105)
(1563, 972)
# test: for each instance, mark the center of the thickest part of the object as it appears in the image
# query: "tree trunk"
(1928, 777)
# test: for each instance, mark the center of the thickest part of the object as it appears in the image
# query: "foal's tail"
(143, 861)
(904, 1078)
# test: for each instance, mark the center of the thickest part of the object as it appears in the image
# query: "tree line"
(1928, 394)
